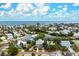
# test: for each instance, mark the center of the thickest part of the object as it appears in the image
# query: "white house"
(26, 30)
(3, 38)
(9, 36)
(39, 42)
(52, 28)
(32, 37)
(26, 37)
(65, 31)
(24, 43)
(20, 41)
(76, 35)
(16, 33)
(65, 43)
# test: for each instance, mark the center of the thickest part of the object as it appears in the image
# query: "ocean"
(31, 22)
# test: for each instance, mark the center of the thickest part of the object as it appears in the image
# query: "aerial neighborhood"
(40, 40)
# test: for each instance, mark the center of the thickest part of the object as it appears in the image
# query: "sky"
(39, 12)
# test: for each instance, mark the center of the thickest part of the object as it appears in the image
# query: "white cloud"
(65, 16)
(41, 9)
(6, 6)
(53, 9)
(1, 13)
(76, 4)
(27, 9)
(24, 7)
(65, 5)
(44, 9)
(60, 6)
(35, 12)
(39, 4)
(11, 12)
(65, 9)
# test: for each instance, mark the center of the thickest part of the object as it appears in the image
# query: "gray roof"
(39, 42)
(65, 43)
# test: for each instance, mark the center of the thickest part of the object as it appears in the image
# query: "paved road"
(56, 53)
(3, 46)
(72, 51)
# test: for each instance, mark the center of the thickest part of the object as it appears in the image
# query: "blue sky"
(39, 12)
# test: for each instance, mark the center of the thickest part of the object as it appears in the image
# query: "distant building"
(52, 28)
(65, 31)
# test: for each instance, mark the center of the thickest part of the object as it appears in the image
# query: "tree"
(22, 46)
(12, 50)
(64, 48)
(45, 45)
(50, 48)
(33, 54)
(38, 24)
(2, 54)
(40, 36)
(70, 34)
(72, 42)
(33, 43)
(57, 40)
(56, 46)
(28, 41)
(1, 40)
(39, 55)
